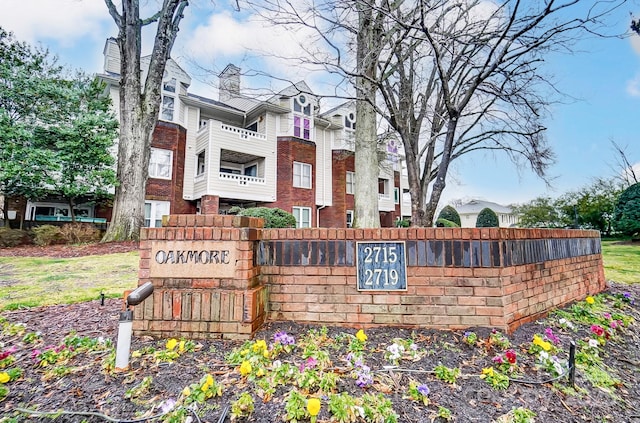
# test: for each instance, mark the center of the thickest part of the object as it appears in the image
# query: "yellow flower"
(244, 352)
(186, 391)
(361, 336)
(136, 354)
(265, 354)
(171, 344)
(209, 380)
(590, 300)
(537, 340)
(181, 346)
(313, 406)
(260, 372)
(260, 345)
(4, 377)
(488, 371)
(245, 368)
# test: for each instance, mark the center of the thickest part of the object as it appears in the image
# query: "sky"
(601, 80)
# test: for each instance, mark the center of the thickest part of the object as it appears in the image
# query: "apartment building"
(210, 155)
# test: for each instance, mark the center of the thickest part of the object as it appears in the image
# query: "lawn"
(621, 261)
(34, 281)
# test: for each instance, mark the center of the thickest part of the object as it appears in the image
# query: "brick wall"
(455, 277)
(291, 150)
(170, 136)
(335, 216)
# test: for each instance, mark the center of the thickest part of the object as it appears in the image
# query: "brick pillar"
(209, 204)
(205, 278)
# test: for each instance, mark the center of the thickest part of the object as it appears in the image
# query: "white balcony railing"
(384, 196)
(241, 179)
(242, 133)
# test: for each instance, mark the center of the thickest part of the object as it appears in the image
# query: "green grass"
(621, 261)
(35, 281)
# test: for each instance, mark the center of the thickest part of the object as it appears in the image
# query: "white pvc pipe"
(123, 347)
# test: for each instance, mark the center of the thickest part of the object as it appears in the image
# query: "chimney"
(229, 83)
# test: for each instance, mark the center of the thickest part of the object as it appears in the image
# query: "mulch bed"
(89, 388)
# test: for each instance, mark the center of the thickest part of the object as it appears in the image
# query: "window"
(253, 127)
(303, 217)
(396, 195)
(167, 108)
(383, 188)
(301, 175)
(153, 212)
(302, 117)
(251, 170)
(200, 163)
(169, 85)
(349, 218)
(160, 163)
(350, 121)
(351, 182)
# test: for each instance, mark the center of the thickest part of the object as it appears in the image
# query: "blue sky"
(602, 78)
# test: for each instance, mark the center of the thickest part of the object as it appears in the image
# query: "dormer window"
(302, 117)
(169, 85)
(350, 121)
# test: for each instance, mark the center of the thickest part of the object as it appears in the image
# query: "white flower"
(543, 356)
(276, 364)
(593, 343)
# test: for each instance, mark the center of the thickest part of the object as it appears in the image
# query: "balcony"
(241, 179)
(242, 134)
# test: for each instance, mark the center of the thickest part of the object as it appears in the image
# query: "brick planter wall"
(456, 277)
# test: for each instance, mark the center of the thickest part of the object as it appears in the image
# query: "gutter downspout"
(324, 179)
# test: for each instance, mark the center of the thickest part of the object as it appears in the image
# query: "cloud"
(635, 43)
(633, 86)
(64, 21)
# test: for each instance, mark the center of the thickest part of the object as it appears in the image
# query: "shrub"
(626, 217)
(444, 223)
(403, 223)
(13, 237)
(47, 235)
(273, 217)
(450, 214)
(77, 233)
(487, 218)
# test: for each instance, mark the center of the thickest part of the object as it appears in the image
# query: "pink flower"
(497, 359)
(548, 333)
(597, 330)
(511, 356)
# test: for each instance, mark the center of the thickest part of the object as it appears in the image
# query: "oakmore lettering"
(192, 256)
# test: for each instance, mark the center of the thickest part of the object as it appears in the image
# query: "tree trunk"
(367, 214)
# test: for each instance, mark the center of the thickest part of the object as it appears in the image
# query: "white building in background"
(469, 213)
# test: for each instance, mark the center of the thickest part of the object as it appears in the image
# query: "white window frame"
(349, 218)
(302, 175)
(153, 212)
(299, 214)
(396, 195)
(350, 181)
(155, 165)
(167, 111)
(201, 167)
(302, 121)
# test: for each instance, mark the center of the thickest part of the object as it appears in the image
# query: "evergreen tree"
(627, 214)
(487, 218)
(450, 214)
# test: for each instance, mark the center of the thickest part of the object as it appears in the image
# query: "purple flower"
(606, 315)
(548, 333)
(311, 362)
(497, 359)
(283, 338)
(423, 390)
(35, 354)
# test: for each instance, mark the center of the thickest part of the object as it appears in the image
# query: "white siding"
(324, 167)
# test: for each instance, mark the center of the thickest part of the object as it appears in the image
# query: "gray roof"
(475, 206)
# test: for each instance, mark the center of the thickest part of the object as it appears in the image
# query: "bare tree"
(624, 168)
(455, 76)
(139, 106)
